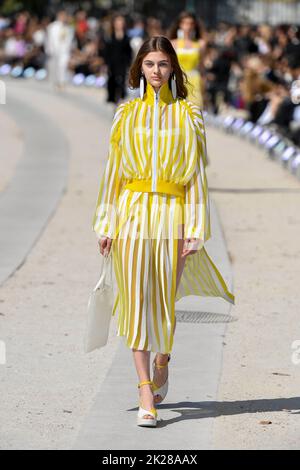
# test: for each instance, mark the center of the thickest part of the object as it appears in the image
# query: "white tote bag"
(99, 310)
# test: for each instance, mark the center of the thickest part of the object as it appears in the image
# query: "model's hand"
(105, 245)
(191, 246)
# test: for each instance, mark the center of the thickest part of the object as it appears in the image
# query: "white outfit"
(59, 43)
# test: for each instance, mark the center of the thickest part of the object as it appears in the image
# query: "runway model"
(153, 213)
(189, 46)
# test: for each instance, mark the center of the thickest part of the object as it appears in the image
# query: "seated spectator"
(15, 47)
(254, 88)
(86, 60)
(81, 28)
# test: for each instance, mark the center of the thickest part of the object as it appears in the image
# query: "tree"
(33, 6)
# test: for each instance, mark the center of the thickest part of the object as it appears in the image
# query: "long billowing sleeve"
(105, 215)
(197, 204)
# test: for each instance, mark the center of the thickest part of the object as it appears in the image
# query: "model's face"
(157, 68)
(119, 22)
(187, 24)
(62, 17)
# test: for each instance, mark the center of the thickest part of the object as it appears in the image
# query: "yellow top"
(188, 57)
(157, 139)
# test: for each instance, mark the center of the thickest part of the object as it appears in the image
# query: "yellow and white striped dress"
(154, 184)
(189, 60)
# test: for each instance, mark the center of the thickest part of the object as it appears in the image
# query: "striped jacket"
(161, 142)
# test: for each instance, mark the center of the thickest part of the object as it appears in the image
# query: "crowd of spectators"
(247, 67)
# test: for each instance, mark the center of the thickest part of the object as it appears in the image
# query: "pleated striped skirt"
(146, 266)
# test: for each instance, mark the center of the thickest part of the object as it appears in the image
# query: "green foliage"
(10, 6)
(37, 7)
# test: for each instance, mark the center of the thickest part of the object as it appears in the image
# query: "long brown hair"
(186, 14)
(153, 44)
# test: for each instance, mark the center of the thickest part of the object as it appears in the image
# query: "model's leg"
(63, 70)
(110, 88)
(180, 262)
(161, 374)
(142, 364)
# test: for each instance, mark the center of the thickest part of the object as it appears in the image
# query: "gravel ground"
(258, 201)
(50, 384)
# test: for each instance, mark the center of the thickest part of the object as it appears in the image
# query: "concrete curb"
(32, 195)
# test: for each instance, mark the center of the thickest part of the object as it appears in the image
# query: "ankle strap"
(159, 366)
(145, 382)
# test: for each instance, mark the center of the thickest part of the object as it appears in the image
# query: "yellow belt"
(161, 187)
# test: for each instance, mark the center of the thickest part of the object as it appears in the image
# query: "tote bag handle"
(106, 263)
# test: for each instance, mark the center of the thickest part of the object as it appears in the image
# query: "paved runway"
(50, 262)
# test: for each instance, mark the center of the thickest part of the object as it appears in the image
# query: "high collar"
(164, 94)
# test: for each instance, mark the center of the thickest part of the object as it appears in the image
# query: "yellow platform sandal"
(160, 392)
(141, 421)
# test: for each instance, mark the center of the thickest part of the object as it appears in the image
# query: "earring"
(142, 86)
(173, 86)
